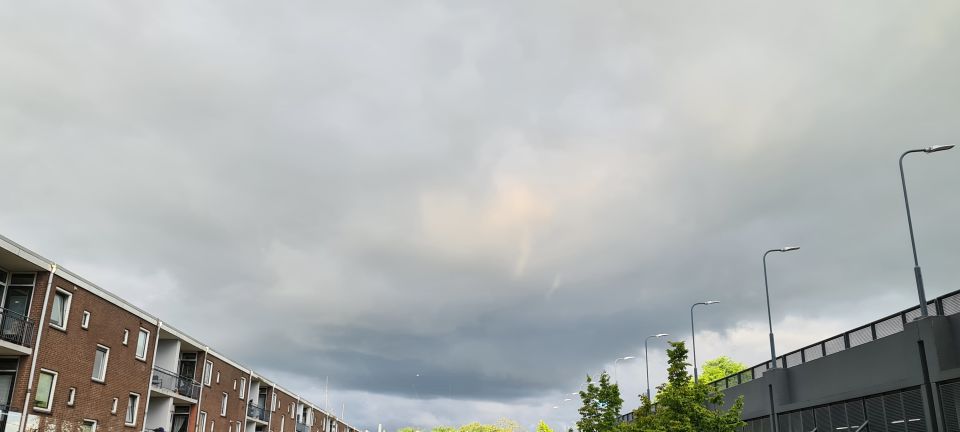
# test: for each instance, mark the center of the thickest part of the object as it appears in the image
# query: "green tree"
(543, 427)
(720, 367)
(600, 405)
(444, 429)
(683, 406)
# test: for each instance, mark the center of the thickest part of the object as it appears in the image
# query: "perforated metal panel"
(951, 304)
(823, 418)
(813, 353)
(861, 336)
(796, 422)
(855, 414)
(875, 413)
(809, 421)
(893, 412)
(950, 399)
(834, 345)
(746, 375)
(913, 410)
(889, 326)
(912, 314)
(759, 370)
(793, 359)
(838, 416)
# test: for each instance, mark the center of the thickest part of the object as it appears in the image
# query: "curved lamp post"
(646, 358)
(774, 425)
(693, 336)
(916, 263)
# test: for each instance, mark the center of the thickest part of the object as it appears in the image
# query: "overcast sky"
(499, 196)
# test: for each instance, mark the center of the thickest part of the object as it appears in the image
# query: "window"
(207, 372)
(113, 406)
(203, 421)
(234, 384)
(273, 402)
(212, 424)
(100, 363)
(282, 418)
(71, 396)
(61, 309)
(243, 387)
(126, 337)
(132, 404)
(218, 377)
(45, 388)
(85, 320)
(223, 406)
(88, 426)
(143, 340)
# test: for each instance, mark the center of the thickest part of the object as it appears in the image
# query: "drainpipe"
(153, 364)
(36, 347)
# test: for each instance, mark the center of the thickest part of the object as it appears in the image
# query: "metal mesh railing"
(170, 381)
(948, 304)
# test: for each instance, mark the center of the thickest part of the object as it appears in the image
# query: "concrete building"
(898, 373)
(76, 358)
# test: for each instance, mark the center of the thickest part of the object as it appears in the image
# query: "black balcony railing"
(257, 412)
(170, 381)
(303, 427)
(16, 328)
(947, 304)
(9, 417)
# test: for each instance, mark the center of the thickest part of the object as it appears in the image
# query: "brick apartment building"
(76, 358)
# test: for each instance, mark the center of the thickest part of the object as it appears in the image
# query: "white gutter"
(206, 350)
(36, 347)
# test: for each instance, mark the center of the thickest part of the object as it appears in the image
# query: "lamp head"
(937, 148)
(659, 335)
(629, 357)
(789, 248)
(710, 302)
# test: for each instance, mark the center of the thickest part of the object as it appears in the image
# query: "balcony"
(10, 418)
(257, 413)
(303, 427)
(16, 328)
(176, 384)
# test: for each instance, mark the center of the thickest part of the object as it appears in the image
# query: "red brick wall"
(213, 394)
(284, 400)
(71, 352)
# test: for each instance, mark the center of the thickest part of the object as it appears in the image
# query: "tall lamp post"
(693, 336)
(646, 358)
(916, 263)
(615, 379)
(773, 351)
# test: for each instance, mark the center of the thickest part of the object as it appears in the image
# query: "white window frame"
(273, 402)
(207, 372)
(126, 337)
(106, 361)
(145, 334)
(218, 377)
(223, 405)
(94, 426)
(243, 387)
(203, 421)
(282, 419)
(113, 406)
(71, 396)
(136, 409)
(85, 320)
(53, 389)
(66, 309)
(234, 384)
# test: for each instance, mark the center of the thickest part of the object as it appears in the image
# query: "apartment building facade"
(76, 358)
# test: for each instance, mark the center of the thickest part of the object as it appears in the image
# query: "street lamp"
(773, 350)
(693, 336)
(615, 379)
(646, 358)
(916, 263)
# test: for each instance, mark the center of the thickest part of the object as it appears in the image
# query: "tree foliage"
(600, 405)
(683, 406)
(543, 427)
(720, 367)
(502, 425)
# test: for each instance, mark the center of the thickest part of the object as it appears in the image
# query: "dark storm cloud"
(498, 197)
